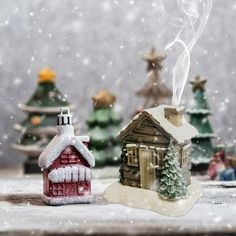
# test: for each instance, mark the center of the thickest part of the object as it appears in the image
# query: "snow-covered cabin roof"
(59, 143)
(179, 133)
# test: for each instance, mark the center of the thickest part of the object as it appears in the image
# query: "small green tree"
(103, 126)
(199, 112)
(39, 127)
(172, 183)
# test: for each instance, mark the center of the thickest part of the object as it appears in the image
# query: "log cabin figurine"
(155, 155)
(66, 164)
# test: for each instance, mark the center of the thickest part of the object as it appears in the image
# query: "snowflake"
(86, 61)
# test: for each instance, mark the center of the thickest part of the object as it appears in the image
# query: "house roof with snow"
(59, 143)
(180, 134)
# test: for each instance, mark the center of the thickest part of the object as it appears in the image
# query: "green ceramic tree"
(39, 127)
(172, 183)
(198, 112)
(103, 126)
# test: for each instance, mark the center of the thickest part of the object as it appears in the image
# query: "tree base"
(199, 169)
(150, 200)
(31, 166)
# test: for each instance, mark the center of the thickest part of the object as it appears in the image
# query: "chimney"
(65, 117)
(175, 115)
(65, 122)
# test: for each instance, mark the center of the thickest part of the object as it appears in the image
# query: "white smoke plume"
(193, 18)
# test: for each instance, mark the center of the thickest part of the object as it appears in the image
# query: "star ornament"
(198, 83)
(46, 75)
(153, 58)
(103, 99)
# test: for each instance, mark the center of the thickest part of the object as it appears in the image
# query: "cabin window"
(185, 152)
(83, 187)
(132, 157)
(69, 155)
(159, 156)
(57, 189)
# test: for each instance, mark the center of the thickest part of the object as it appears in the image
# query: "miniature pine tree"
(172, 183)
(39, 127)
(103, 126)
(202, 148)
(154, 91)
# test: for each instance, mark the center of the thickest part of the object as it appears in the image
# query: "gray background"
(98, 44)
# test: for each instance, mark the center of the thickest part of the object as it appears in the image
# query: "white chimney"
(175, 115)
(65, 122)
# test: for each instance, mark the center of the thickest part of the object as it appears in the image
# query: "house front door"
(70, 189)
(147, 172)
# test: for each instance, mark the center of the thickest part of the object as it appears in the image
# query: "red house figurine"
(66, 164)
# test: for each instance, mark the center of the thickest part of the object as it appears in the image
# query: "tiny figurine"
(228, 174)
(216, 166)
(38, 128)
(198, 112)
(66, 163)
(103, 126)
(222, 167)
(154, 91)
(155, 169)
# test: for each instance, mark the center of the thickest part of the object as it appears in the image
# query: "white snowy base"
(150, 200)
(56, 201)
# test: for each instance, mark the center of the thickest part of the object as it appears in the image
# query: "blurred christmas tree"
(172, 183)
(39, 127)
(103, 126)
(199, 111)
(154, 91)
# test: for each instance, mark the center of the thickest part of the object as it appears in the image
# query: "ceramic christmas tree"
(198, 112)
(172, 183)
(66, 164)
(103, 126)
(155, 169)
(154, 91)
(38, 128)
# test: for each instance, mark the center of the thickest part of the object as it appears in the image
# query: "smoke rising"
(191, 21)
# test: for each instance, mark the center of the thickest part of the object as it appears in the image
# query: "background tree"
(199, 111)
(103, 126)
(172, 183)
(154, 91)
(39, 127)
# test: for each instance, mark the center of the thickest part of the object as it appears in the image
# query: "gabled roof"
(59, 143)
(180, 134)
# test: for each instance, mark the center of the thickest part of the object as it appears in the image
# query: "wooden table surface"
(23, 213)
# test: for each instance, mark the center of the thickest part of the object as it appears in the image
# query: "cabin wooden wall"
(129, 175)
(146, 132)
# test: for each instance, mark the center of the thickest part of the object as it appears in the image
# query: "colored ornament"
(35, 120)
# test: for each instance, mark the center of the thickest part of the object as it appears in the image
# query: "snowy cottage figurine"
(155, 159)
(146, 139)
(66, 164)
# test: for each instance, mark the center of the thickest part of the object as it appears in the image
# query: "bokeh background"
(96, 44)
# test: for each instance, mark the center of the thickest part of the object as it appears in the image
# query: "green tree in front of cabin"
(172, 183)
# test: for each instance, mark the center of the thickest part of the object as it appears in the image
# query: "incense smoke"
(191, 23)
